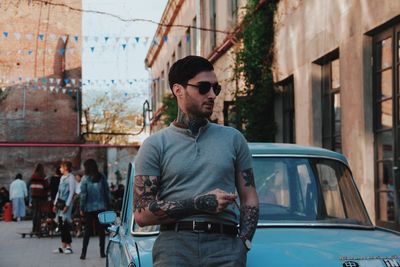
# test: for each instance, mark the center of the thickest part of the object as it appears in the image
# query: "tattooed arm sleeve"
(248, 204)
(149, 211)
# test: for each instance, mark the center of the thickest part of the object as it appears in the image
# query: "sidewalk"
(34, 252)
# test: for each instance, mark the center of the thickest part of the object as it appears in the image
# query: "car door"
(117, 250)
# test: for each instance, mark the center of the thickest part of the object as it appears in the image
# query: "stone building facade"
(337, 67)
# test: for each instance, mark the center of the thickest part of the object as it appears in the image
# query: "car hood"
(323, 247)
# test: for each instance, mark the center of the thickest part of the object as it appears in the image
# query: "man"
(187, 176)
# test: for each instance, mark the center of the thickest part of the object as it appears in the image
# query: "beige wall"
(305, 32)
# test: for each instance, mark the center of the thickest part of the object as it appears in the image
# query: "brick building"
(40, 72)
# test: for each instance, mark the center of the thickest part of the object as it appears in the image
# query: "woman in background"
(38, 188)
(18, 193)
(63, 206)
(94, 198)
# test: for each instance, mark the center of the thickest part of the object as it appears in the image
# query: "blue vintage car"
(311, 214)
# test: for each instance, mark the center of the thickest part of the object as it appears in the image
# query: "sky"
(114, 51)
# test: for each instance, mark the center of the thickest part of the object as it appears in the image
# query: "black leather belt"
(200, 227)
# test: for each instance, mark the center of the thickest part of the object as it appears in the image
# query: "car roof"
(294, 150)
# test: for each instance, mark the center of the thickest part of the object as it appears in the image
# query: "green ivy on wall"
(255, 102)
(171, 109)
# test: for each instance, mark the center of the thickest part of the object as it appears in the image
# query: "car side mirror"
(107, 217)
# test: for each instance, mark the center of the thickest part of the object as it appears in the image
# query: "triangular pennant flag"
(61, 51)
(66, 81)
(51, 80)
(106, 38)
(5, 34)
(76, 38)
(29, 36)
(58, 81)
(155, 42)
(51, 88)
(165, 38)
(92, 49)
(86, 38)
(64, 90)
(29, 52)
(124, 46)
(73, 81)
(96, 39)
(127, 39)
(44, 80)
(41, 37)
(188, 38)
(117, 39)
(137, 39)
(17, 35)
(146, 40)
(64, 38)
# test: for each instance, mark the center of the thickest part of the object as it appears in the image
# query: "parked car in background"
(311, 214)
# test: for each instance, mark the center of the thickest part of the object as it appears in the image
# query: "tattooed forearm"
(207, 203)
(145, 196)
(248, 221)
(248, 176)
(172, 209)
(183, 208)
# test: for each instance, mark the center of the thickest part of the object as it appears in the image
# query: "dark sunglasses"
(205, 87)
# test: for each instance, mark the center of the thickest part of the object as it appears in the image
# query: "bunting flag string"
(93, 42)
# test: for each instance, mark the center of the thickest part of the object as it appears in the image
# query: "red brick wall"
(26, 113)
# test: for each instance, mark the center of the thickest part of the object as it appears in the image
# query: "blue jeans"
(185, 248)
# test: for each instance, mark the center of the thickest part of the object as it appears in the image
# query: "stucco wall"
(305, 32)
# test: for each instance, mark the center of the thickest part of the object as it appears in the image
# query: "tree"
(111, 114)
(255, 102)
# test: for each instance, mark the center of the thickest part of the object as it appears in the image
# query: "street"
(16, 251)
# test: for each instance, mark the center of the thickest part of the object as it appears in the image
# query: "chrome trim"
(333, 225)
(297, 156)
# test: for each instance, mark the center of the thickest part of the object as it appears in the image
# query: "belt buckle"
(200, 230)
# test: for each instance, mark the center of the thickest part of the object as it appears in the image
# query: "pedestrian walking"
(186, 176)
(18, 193)
(94, 198)
(38, 188)
(63, 207)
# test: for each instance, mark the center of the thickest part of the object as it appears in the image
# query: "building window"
(288, 111)
(187, 41)
(331, 105)
(233, 7)
(160, 90)
(386, 80)
(193, 36)
(179, 50)
(213, 23)
(173, 59)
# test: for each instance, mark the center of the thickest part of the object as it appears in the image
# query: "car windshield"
(307, 190)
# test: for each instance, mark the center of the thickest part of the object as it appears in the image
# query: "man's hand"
(214, 201)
